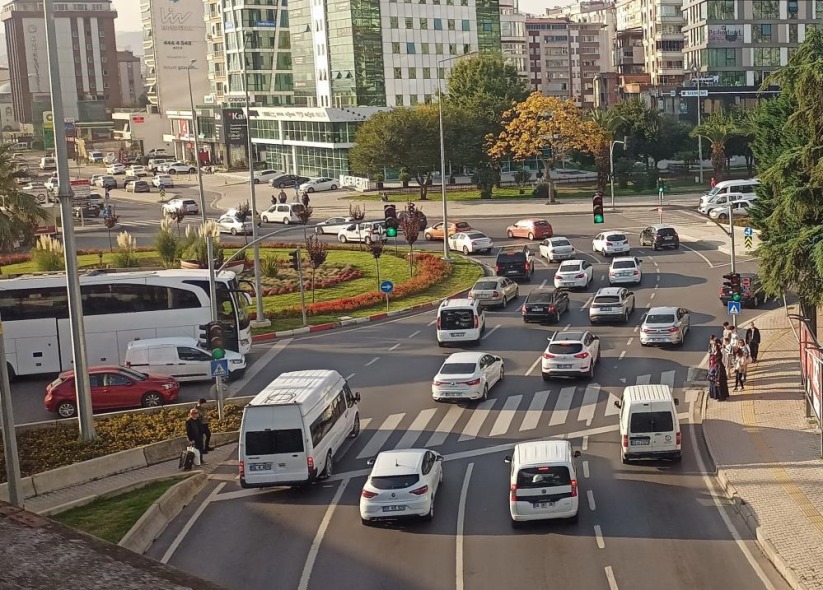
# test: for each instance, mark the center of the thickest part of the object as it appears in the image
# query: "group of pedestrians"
(282, 197)
(728, 354)
(198, 431)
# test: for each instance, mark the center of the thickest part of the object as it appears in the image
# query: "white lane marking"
(652, 295)
(643, 380)
(629, 341)
(543, 284)
(610, 578)
(657, 278)
(657, 287)
(667, 378)
(586, 469)
(655, 264)
(566, 327)
(532, 417)
(364, 422)
(561, 408)
(433, 322)
(371, 362)
(534, 365)
(490, 332)
(347, 446)
(318, 537)
(598, 535)
(413, 334)
(461, 521)
(350, 376)
(706, 260)
(506, 415)
(185, 530)
(479, 415)
(416, 429)
(589, 402)
(622, 354)
(636, 328)
(445, 427)
(588, 302)
(258, 366)
(590, 496)
(395, 347)
(611, 409)
(380, 436)
(585, 444)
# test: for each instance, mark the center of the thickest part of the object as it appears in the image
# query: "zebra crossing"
(495, 417)
(155, 223)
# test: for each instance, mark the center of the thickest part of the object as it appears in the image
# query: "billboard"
(179, 34)
(725, 35)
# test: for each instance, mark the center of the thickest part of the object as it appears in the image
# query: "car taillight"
(495, 294)
(420, 491)
(551, 309)
(558, 277)
(497, 268)
(674, 329)
(647, 331)
(367, 494)
(310, 463)
(476, 321)
(574, 488)
(677, 438)
(473, 382)
(513, 490)
(548, 355)
(609, 244)
(625, 441)
(582, 355)
(523, 310)
(637, 272)
(242, 469)
(580, 276)
(438, 323)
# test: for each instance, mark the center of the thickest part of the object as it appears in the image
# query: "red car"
(112, 387)
(533, 229)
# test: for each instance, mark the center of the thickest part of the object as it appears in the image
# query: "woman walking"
(739, 370)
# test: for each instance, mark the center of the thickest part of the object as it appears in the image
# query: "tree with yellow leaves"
(545, 127)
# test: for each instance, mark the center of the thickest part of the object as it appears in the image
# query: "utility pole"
(9, 431)
(64, 195)
(611, 163)
(696, 75)
(302, 287)
(733, 265)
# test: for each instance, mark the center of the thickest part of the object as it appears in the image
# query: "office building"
(131, 78)
(629, 55)
(513, 36)
(87, 55)
(215, 51)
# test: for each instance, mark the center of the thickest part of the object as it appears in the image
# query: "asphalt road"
(641, 526)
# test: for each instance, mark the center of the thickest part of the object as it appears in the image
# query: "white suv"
(188, 206)
(367, 231)
(570, 354)
(610, 304)
(283, 213)
(625, 269)
(611, 243)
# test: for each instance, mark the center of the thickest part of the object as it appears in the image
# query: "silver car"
(491, 291)
(557, 248)
(625, 269)
(611, 304)
(665, 325)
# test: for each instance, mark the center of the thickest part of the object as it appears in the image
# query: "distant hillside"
(132, 40)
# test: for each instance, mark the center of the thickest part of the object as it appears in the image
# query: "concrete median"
(163, 451)
(98, 468)
(26, 485)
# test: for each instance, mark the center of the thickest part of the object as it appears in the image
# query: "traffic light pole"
(733, 265)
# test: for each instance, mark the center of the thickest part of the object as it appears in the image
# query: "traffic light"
(661, 186)
(391, 222)
(294, 256)
(216, 340)
(735, 288)
(203, 335)
(597, 208)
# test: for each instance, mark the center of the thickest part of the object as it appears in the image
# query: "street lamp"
(260, 320)
(696, 77)
(443, 153)
(611, 163)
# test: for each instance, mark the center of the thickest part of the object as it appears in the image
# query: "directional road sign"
(748, 232)
(387, 287)
(746, 282)
(733, 307)
(220, 368)
(162, 193)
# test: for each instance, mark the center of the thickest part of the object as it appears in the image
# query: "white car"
(467, 375)
(116, 168)
(574, 274)
(321, 183)
(570, 354)
(490, 291)
(665, 325)
(558, 248)
(230, 224)
(625, 269)
(403, 483)
(177, 168)
(333, 225)
(367, 232)
(266, 175)
(611, 243)
(471, 242)
(163, 180)
(739, 209)
(94, 178)
(285, 213)
(138, 171)
(51, 184)
(188, 206)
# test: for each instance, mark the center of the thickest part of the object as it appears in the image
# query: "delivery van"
(649, 428)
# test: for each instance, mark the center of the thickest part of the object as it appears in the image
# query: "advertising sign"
(810, 366)
(48, 131)
(725, 35)
(234, 127)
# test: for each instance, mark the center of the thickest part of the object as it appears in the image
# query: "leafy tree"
(375, 248)
(719, 128)
(788, 148)
(304, 214)
(641, 124)
(19, 213)
(486, 84)
(402, 138)
(317, 252)
(357, 212)
(410, 225)
(545, 127)
(672, 137)
(607, 121)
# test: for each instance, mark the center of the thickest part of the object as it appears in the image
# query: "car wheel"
(233, 232)
(516, 524)
(502, 371)
(365, 522)
(343, 239)
(428, 237)
(152, 400)
(590, 374)
(623, 459)
(557, 317)
(265, 219)
(256, 181)
(192, 170)
(327, 468)
(355, 429)
(485, 393)
(10, 370)
(722, 218)
(626, 317)
(677, 246)
(677, 458)
(319, 230)
(546, 376)
(286, 221)
(334, 187)
(310, 190)
(466, 250)
(430, 514)
(509, 234)
(172, 171)
(67, 409)
(531, 237)
(654, 247)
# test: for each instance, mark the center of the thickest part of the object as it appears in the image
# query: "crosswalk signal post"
(390, 220)
(597, 208)
(216, 341)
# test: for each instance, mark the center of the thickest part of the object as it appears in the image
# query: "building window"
(438, 48)
(818, 9)
(452, 49)
(413, 99)
(398, 100)
(427, 98)
(427, 73)
(410, 48)
(467, 48)
(424, 48)
(438, 24)
(721, 10)
(464, 2)
(393, 22)
(466, 25)
(791, 9)
(424, 24)
(726, 57)
(451, 24)
(409, 22)
(762, 33)
(101, 33)
(398, 73)
(412, 73)
(441, 73)
(793, 34)
(765, 9)
(766, 56)
(395, 47)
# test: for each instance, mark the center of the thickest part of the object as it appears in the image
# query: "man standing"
(753, 340)
(194, 432)
(204, 424)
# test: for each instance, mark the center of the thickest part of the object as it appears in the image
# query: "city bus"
(118, 307)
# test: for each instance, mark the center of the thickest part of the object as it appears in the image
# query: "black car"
(515, 262)
(108, 183)
(660, 236)
(288, 181)
(138, 186)
(545, 305)
(751, 294)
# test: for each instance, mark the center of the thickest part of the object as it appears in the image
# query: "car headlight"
(168, 386)
(244, 342)
(236, 361)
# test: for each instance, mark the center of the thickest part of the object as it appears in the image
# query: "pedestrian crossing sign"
(733, 307)
(220, 368)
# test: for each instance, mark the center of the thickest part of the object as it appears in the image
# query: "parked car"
(177, 168)
(557, 248)
(515, 262)
(138, 171)
(163, 180)
(230, 224)
(660, 236)
(533, 229)
(116, 168)
(112, 388)
(283, 213)
(288, 180)
(188, 206)
(321, 183)
(96, 157)
(490, 291)
(267, 175)
(471, 242)
(333, 225)
(107, 182)
(129, 178)
(138, 186)
(436, 231)
(365, 231)
(665, 325)
(545, 305)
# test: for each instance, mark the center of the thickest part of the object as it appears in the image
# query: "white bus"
(118, 307)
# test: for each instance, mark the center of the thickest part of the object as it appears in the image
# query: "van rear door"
(651, 429)
(273, 446)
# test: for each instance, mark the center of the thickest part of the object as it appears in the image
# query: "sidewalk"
(767, 455)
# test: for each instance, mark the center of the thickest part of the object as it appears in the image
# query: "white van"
(178, 357)
(48, 163)
(745, 187)
(460, 320)
(543, 481)
(649, 428)
(723, 200)
(292, 429)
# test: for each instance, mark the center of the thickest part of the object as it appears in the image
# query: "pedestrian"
(281, 197)
(730, 333)
(722, 383)
(714, 182)
(714, 384)
(203, 410)
(752, 338)
(717, 353)
(305, 199)
(194, 432)
(296, 194)
(739, 370)
(712, 344)
(728, 355)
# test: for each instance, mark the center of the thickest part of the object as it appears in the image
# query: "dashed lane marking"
(371, 362)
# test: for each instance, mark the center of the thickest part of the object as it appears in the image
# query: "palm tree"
(19, 212)
(718, 129)
(608, 120)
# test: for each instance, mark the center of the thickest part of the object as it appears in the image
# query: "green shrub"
(126, 256)
(167, 245)
(268, 266)
(48, 255)
(541, 190)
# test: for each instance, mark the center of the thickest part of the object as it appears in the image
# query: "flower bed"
(328, 275)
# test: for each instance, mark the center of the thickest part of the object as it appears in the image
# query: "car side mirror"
(440, 458)
(357, 396)
(595, 337)
(576, 454)
(507, 459)
(370, 462)
(618, 404)
(676, 402)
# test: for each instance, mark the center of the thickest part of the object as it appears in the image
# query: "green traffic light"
(736, 297)
(598, 219)
(218, 353)
(391, 232)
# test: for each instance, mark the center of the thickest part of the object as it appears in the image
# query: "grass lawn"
(111, 518)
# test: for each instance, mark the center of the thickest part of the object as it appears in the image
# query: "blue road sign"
(220, 368)
(733, 307)
(748, 232)
(387, 286)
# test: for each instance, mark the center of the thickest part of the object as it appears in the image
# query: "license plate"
(567, 283)
(544, 505)
(668, 238)
(605, 308)
(393, 508)
(639, 442)
(512, 272)
(259, 466)
(456, 334)
(537, 309)
(564, 366)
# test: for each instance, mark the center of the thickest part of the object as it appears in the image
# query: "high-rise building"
(513, 36)
(87, 55)
(131, 78)
(215, 50)
(629, 55)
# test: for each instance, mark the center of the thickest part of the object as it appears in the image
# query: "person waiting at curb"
(204, 424)
(194, 432)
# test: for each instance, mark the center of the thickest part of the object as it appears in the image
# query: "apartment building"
(513, 36)
(629, 52)
(131, 78)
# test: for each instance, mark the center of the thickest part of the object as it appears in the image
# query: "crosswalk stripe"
(561, 409)
(416, 429)
(380, 436)
(479, 415)
(445, 427)
(643, 379)
(506, 415)
(589, 402)
(532, 417)
(667, 378)
(364, 422)
(611, 409)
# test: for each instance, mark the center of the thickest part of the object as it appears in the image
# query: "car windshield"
(660, 318)
(485, 285)
(511, 256)
(475, 236)
(556, 243)
(189, 203)
(458, 369)
(462, 225)
(565, 347)
(456, 319)
(566, 267)
(644, 422)
(607, 299)
(616, 237)
(623, 264)
(394, 482)
(539, 297)
(543, 477)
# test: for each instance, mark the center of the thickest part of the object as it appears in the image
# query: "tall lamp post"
(696, 77)
(260, 320)
(611, 163)
(209, 238)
